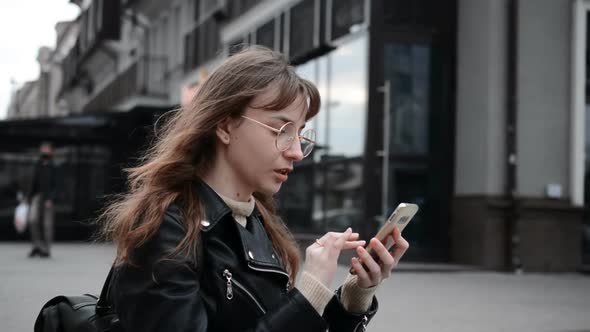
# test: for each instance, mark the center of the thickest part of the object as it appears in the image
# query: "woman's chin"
(271, 188)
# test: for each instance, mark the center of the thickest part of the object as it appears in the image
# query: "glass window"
(191, 45)
(320, 121)
(265, 35)
(341, 162)
(408, 71)
(176, 37)
(153, 40)
(301, 28)
(345, 15)
(328, 190)
(296, 196)
(282, 33)
(164, 33)
(347, 95)
(315, 71)
(209, 38)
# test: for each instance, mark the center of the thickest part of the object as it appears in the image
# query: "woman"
(200, 247)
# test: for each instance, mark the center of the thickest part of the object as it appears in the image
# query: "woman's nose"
(294, 151)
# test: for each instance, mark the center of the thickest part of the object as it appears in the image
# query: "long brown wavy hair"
(185, 147)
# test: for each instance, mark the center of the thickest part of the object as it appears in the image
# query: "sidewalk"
(437, 298)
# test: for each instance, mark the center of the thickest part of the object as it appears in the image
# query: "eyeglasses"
(286, 136)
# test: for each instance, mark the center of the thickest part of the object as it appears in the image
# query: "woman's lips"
(281, 176)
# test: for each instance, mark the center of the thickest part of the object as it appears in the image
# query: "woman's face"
(252, 152)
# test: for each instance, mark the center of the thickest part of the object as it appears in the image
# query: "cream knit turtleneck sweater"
(354, 299)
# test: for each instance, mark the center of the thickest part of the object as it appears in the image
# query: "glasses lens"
(286, 137)
(307, 142)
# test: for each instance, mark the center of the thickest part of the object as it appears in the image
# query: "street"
(417, 298)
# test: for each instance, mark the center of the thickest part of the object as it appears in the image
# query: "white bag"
(20, 217)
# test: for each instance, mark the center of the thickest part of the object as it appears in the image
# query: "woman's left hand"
(377, 271)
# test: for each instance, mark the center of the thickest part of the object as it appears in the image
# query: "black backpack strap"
(102, 305)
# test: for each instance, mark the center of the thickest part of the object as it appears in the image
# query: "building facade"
(520, 137)
(473, 109)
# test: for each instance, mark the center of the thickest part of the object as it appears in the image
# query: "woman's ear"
(223, 130)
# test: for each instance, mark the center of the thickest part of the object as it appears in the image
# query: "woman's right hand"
(321, 258)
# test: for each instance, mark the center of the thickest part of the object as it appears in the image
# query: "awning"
(98, 128)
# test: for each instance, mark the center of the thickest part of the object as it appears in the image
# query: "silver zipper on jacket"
(272, 271)
(362, 324)
(230, 292)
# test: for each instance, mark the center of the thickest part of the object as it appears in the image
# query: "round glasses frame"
(307, 139)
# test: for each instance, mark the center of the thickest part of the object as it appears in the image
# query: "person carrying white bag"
(21, 213)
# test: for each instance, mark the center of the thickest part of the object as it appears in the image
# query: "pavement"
(418, 297)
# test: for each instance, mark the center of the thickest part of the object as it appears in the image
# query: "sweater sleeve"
(315, 292)
(354, 298)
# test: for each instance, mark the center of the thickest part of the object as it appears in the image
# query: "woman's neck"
(226, 182)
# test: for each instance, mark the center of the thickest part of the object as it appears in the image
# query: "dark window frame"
(273, 27)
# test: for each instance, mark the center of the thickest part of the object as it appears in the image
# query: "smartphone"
(400, 218)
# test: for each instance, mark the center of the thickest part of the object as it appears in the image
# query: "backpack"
(82, 313)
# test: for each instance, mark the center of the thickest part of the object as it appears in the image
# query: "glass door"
(410, 126)
(416, 152)
(406, 120)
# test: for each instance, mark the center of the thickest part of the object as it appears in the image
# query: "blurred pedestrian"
(41, 196)
(200, 246)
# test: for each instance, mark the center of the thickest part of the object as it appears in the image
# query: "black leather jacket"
(241, 285)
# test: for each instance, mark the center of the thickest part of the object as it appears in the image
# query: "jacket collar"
(256, 244)
(215, 207)
(257, 247)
